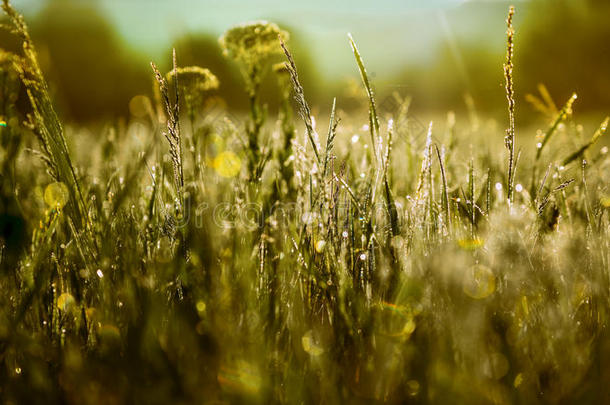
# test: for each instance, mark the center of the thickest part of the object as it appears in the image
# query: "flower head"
(194, 77)
(253, 42)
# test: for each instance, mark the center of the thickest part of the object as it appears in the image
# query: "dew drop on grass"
(56, 195)
(99, 273)
(320, 246)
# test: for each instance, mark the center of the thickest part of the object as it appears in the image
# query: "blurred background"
(96, 53)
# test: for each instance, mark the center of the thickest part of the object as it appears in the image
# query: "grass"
(133, 270)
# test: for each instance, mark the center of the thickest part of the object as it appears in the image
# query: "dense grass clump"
(262, 261)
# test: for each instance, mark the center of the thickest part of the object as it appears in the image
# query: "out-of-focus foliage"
(91, 71)
(565, 45)
(562, 44)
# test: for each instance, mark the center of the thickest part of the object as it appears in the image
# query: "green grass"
(153, 262)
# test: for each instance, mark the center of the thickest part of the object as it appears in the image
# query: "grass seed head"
(195, 77)
(252, 43)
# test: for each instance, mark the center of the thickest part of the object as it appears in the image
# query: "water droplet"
(99, 273)
(355, 138)
(56, 195)
(518, 188)
(499, 186)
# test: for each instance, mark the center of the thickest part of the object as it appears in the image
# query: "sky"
(389, 33)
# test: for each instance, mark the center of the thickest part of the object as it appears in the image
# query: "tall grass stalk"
(509, 140)
(596, 136)
(47, 126)
(304, 110)
(373, 118)
(172, 135)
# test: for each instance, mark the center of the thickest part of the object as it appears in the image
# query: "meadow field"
(197, 254)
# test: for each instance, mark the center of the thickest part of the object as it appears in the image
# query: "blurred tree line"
(565, 44)
(93, 73)
(561, 43)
